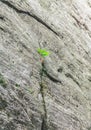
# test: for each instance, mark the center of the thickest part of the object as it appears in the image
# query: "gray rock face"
(60, 97)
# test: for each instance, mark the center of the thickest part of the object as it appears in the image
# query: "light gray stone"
(61, 99)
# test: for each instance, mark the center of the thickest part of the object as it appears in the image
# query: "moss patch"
(2, 81)
(17, 85)
(3, 103)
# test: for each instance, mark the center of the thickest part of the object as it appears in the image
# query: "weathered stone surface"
(61, 100)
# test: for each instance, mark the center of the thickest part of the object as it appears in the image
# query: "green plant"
(17, 85)
(89, 128)
(43, 52)
(2, 81)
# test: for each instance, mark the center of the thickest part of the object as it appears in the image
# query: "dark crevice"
(77, 21)
(3, 29)
(89, 79)
(70, 76)
(44, 116)
(44, 124)
(54, 79)
(29, 14)
(60, 69)
(44, 104)
(1, 17)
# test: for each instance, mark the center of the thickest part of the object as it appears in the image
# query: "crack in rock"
(70, 76)
(44, 125)
(44, 116)
(29, 14)
(51, 77)
(52, 74)
(1, 17)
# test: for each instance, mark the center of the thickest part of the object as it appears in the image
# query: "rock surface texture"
(61, 100)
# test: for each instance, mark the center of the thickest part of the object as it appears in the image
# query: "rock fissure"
(31, 15)
(54, 79)
(2, 29)
(77, 21)
(70, 76)
(44, 116)
(1, 17)
(51, 76)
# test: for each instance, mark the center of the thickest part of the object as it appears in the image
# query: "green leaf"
(43, 52)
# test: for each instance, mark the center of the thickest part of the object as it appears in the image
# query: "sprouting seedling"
(43, 52)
